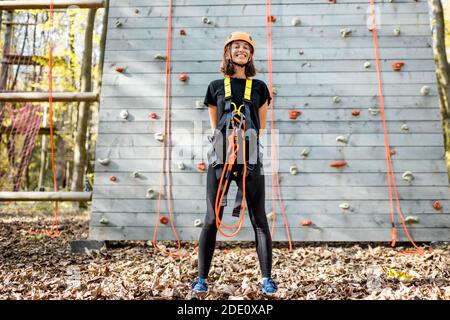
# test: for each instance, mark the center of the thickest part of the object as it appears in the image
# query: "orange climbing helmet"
(240, 35)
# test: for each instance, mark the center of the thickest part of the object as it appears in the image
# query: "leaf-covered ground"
(38, 267)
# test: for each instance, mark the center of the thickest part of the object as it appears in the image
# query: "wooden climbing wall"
(317, 71)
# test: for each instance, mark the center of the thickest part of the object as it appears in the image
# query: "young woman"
(237, 65)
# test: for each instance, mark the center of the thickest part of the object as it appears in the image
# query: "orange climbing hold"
(271, 18)
(293, 114)
(355, 113)
(398, 65)
(338, 164)
(164, 220)
(153, 115)
(112, 178)
(306, 223)
(120, 69)
(437, 205)
(183, 77)
(201, 166)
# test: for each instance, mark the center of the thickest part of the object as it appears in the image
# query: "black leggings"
(255, 197)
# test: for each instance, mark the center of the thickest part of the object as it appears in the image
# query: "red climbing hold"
(112, 178)
(437, 205)
(306, 223)
(272, 18)
(153, 115)
(338, 164)
(355, 113)
(397, 66)
(163, 220)
(182, 77)
(182, 32)
(120, 69)
(332, 1)
(293, 114)
(201, 166)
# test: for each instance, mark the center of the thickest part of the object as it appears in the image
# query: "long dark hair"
(227, 67)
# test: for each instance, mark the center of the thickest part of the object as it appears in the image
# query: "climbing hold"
(437, 205)
(301, 52)
(332, 1)
(371, 28)
(136, 11)
(159, 136)
(198, 223)
(201, 166)
(408, 176)
(118, 23)
(367, 64)
(397, 31)
(293, 170)
(295, 22)
(374, 111)
(280, 178)
(412, 219)
(344, 206)
(293, 114)
(341, 139)
(199, 104)
(345, 32)
(119, 69)
(338, 164)
(164, 220)
(182, 77)
(135, 174)
(182, 32)
(181, 166)
(274, 91)
(153, 115)
(206, 20)
(397, 66)
(392, 152)
(425, 90)
(306, 223)
(113, 179)
(150, 193)
(104, 161)
(159, 56)
(305, 152)
(104, 220)
(336, 99)
(124, 114)
(269, 215)
(355, 113)
(271, 18)
(404, 127)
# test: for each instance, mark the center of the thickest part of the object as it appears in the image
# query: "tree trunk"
(83, 109)
(6, 51)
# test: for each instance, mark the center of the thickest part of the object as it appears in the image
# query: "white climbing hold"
(305, 152)
(293, 170)
(301, 52)
(150, 193)
(404, 127)
(367, 64)
(425, 90)
(345, 32)
(269, 215)
(181, 166)
(412, 219)
(374, 111)
(342, 139)
(337, 99)
(344, 205)
(397, 31)
(118, 23)
(124, 114)
(199, 104)
(206, 20)
(104, 161)
(135, 174)
(198, 223)
(104, 220)
(159, 56)
(159, 136)
(274, 91)
(296, 22)
(408, 176)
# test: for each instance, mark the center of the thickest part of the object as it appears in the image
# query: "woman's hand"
(212, 109)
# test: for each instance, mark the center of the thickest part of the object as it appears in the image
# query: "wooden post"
(44, 96)
(45, 4)
(45, 196)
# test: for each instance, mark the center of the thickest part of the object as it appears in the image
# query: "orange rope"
(392, 185)
(274, 156)
(166, 148)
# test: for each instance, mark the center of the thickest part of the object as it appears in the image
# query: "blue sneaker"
(268, 286)
(199, 285)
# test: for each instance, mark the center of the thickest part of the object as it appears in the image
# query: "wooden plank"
(45, 4)
(304, 140)
(289, 193)
(302, 179)
(329, 207)
(292, 153)
(45, 196)
(45, 96)
(299, 234)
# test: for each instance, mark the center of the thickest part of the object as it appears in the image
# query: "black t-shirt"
(215, 95)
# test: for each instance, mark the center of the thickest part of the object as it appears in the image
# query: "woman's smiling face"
(240, 51)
